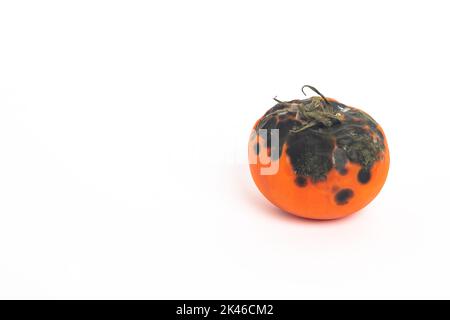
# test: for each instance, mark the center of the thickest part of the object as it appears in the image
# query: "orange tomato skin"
(318, 199)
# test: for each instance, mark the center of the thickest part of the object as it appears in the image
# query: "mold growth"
(321, 135)
(364, 175)
(343, 196)
(301, 181)
(310, 154)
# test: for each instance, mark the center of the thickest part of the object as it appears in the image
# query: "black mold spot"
(364, 175)
(310, 154)
(301, 181)
(343, 196)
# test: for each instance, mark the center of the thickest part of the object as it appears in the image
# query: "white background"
(123, 140)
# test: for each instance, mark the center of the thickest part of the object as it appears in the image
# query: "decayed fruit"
(326, 160)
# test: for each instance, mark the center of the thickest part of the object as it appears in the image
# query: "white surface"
(123, 136)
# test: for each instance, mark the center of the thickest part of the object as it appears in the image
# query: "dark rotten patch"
(364, 175)
(343, 196)
(301, 181)
(320, 137)
(310, 154)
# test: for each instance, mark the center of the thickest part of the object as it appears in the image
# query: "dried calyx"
(309, 112)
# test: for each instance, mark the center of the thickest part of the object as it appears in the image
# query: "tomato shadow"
(249, 193)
